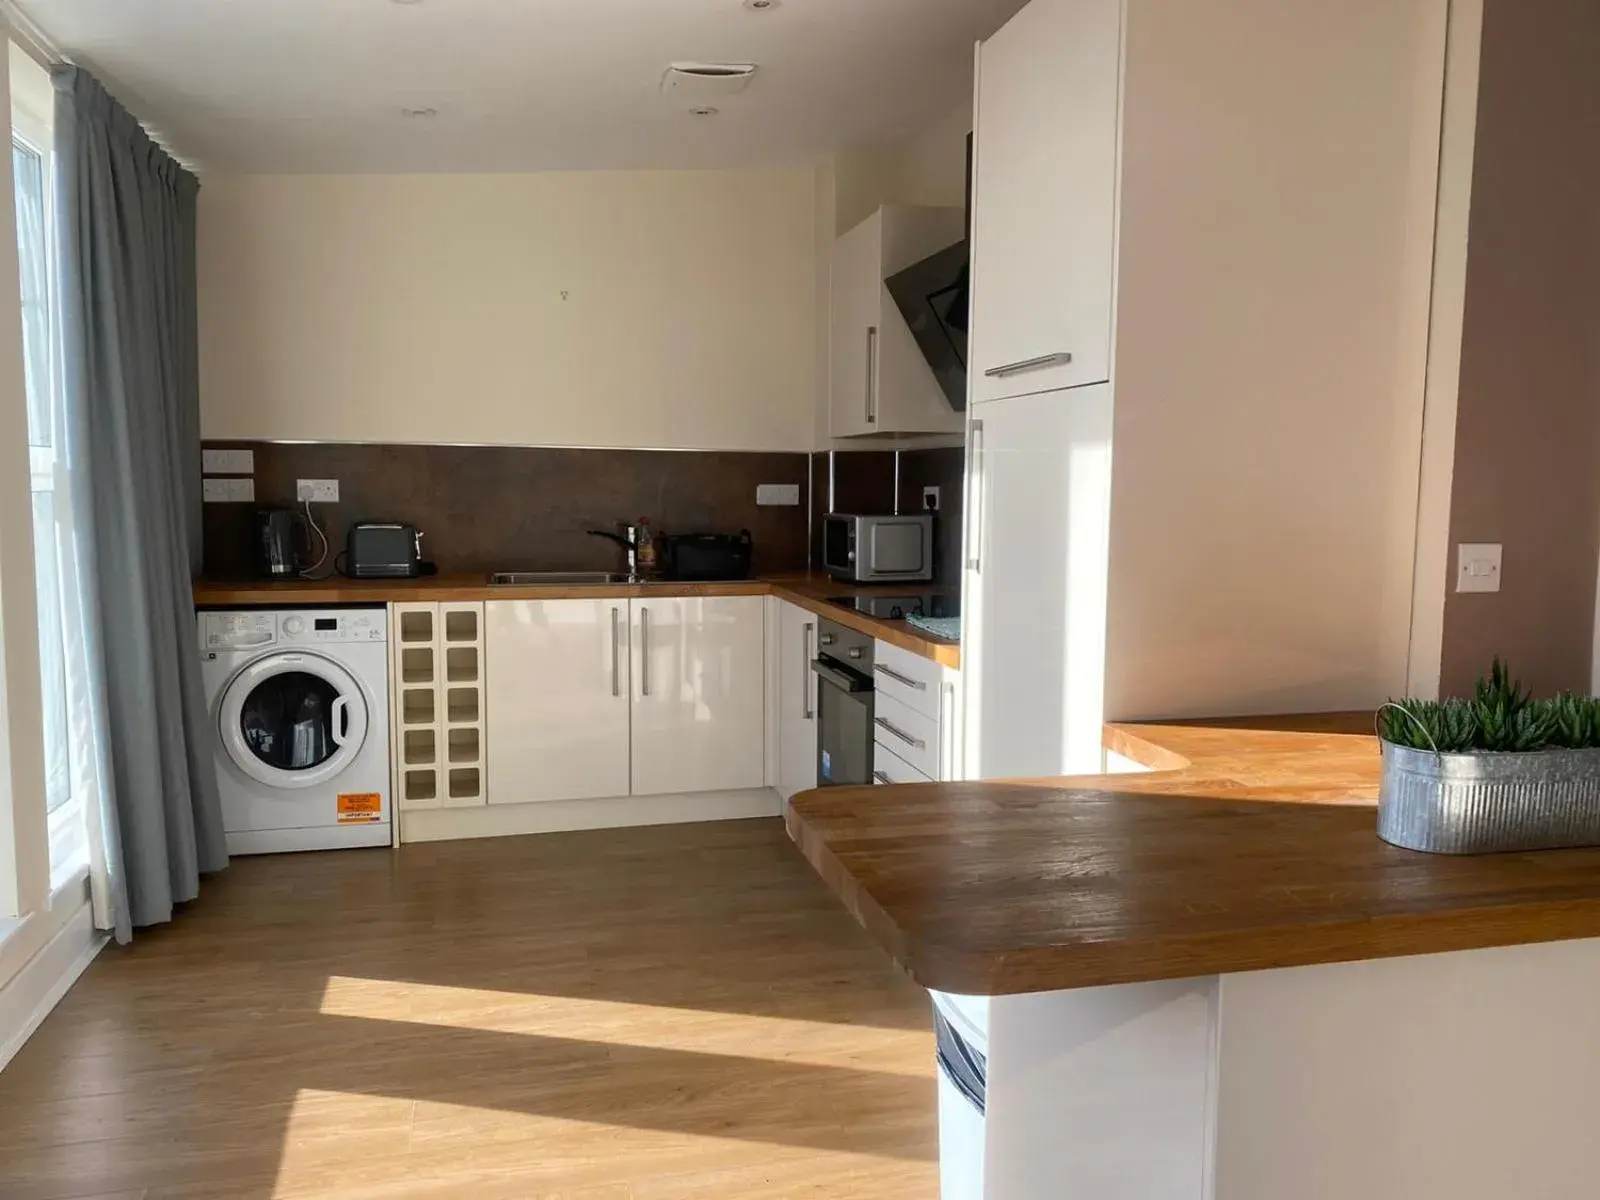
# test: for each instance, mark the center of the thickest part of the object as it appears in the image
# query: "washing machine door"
(292, 720)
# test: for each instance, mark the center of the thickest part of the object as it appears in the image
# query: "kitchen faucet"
(628, 539)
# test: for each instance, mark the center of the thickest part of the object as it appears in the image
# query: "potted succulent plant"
(1499, 771)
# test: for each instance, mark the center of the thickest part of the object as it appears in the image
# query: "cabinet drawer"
(906, 733)
(891, 768)
(906, 677)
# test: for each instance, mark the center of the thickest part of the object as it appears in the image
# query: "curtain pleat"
(126, 222)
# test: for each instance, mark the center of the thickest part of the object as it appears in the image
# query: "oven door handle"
(838, 678)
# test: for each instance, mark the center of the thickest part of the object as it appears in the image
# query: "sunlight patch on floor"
(645, 1026)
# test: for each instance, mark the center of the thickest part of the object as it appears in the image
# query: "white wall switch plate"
(768, 494)
(228, 462)
(1478, 567)
(227, 491)
(930, 499)
(318, 491)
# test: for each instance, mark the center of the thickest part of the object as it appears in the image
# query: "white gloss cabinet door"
(797, 700)
(699, 694)
(1034, 597)
(556, 702)
(855, 314)
(1044, 199)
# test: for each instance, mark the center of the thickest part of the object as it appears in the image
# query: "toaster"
(383, 550)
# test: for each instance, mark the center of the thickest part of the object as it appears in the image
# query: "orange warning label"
(360, 808)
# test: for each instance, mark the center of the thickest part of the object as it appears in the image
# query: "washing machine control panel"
(331, 625)
(254, 630)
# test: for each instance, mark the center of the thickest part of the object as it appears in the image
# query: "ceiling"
(518, 85)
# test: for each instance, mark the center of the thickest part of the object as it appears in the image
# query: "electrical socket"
(318, 491)
(930, 499)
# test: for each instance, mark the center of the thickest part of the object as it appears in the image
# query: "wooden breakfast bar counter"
(1212, 979)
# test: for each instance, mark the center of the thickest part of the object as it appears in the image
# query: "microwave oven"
(866, 549)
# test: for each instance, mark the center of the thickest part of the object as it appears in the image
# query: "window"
(52, 533)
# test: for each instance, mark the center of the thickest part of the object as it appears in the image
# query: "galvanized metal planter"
(1481, 802)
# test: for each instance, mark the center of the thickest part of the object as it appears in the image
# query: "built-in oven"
(843, 667)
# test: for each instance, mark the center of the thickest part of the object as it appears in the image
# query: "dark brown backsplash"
(485, 508)
(863, 482)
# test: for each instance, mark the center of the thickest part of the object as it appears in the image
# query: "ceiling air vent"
(697, 84)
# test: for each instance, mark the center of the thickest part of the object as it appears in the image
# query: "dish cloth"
(945, 627)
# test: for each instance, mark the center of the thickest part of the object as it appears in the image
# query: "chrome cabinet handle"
(1059, 359)
(975, 502)
(805, 676)
(616, 652)
(880, 777)
(903, 680)
(644, 652)
(905, 737)
(872, 374)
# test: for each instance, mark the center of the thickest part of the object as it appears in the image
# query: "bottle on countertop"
(644, 541)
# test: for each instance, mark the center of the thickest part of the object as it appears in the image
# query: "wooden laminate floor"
(647, 1013)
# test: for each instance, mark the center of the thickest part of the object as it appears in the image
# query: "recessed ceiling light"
(705, 110)
(419, 112)
(406, 2)
(752, 5)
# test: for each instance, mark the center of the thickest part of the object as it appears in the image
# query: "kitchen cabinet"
(796, 700)
(699, 694)
(557, 699)
(1034, 595)
(1044, 199)
(437, 732)
(917, 718)
(880, 383)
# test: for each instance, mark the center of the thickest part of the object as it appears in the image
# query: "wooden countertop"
(1253, 845)
(810, 592)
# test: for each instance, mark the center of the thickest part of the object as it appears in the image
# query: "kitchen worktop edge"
(809, 591)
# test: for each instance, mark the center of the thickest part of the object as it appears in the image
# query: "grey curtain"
(126, 236)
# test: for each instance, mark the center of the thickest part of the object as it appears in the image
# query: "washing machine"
(300, 698)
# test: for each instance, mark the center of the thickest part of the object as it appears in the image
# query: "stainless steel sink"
(556, 578)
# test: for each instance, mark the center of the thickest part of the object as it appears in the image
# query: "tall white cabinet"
(1045, 174)
(699, 695)
(1034, 606)
(558, 688)
(1202, 259)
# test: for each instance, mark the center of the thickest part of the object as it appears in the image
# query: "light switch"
(1478, 567)
(777, 493)
(226, 491)
(228, 462)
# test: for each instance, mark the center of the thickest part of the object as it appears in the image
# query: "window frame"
(66, 833)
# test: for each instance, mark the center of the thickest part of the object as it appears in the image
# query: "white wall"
(646, 309)
(1274, 279)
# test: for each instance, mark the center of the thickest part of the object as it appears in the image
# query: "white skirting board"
(27, 999)
(553, 816)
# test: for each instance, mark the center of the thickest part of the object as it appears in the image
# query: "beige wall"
(1269, 364)
(1527, 452)
(646, 309)
(928, 168)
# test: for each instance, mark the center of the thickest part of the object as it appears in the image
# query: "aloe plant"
(1500, 716)
(1577, 721)
(1447, 726)
(1497, 699)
